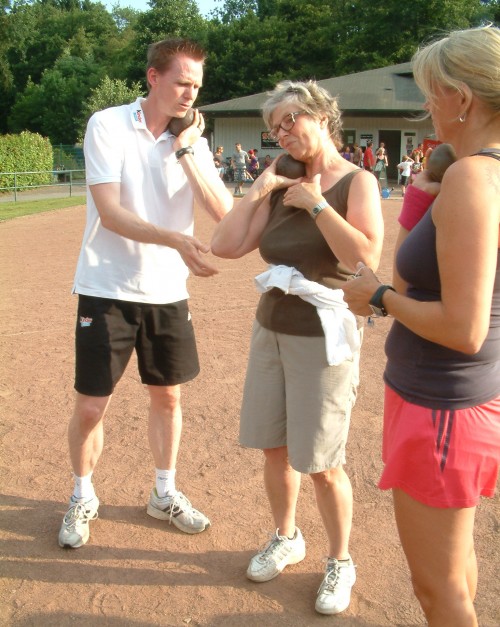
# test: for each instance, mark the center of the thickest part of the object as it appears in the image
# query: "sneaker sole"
(259, 579)
(329, 612)
(159, 515)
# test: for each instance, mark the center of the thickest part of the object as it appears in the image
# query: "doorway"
(392, 141)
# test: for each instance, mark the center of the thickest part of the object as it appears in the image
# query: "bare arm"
(467, 217)
(240, 231)
(116, 218)
(210, 193)
(360, 235)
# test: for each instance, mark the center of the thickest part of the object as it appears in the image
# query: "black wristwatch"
(188, 150)
(376, 301)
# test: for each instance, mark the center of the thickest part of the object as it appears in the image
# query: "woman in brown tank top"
(297, 403)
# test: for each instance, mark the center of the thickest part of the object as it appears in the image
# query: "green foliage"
(53, 53)
(26, 152)
(55, 107)
(166, 18)
(109, 93)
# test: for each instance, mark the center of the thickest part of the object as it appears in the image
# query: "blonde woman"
(442, 406)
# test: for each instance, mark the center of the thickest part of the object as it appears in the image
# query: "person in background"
(253, 165)
(239, 162)
(381, 163)
(301, 384)
(138, 249)
(267, 161)
(346, 153)
(405, 168)
(418, 154)
(369, 157)
(357, 156)
(441, 445)
(219, 161)
(416, 166)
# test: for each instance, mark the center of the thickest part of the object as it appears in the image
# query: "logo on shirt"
(85, 322)
(138, 116)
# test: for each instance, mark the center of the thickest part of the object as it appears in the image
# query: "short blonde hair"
(310, 97)
(465, 57)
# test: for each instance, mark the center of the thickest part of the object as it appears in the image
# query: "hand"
(191, 134)
(426, 184)
(269, 180)
(304, 194)
(191, 250)
(358, 291)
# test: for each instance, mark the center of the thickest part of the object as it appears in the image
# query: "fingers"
(199, 121)
(205, 270)
(192, 252)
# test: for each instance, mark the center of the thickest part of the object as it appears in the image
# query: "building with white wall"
(383, 105)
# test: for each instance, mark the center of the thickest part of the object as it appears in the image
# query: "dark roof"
(388, 90)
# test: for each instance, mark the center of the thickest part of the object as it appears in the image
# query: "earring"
(463, 117)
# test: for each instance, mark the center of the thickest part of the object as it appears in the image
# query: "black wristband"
(376, 304)
(188, 150)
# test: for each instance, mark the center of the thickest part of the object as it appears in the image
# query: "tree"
(55, 107)
(166, 18)
(109, 93)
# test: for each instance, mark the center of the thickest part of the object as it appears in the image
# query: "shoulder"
(470, 185)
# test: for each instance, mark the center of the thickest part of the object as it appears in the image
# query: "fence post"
(15, 186)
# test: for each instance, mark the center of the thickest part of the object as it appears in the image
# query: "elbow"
(470, 342)
(219, 250)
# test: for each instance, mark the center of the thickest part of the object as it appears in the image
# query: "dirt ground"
(135, 570)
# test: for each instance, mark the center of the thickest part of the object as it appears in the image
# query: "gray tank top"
(426, 373)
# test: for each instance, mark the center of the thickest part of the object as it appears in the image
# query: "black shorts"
(107, 331)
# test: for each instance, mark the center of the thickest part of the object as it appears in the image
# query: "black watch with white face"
(376, 301)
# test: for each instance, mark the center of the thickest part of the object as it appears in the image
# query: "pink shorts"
(442, 458)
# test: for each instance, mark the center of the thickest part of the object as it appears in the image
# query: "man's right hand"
(192, 252)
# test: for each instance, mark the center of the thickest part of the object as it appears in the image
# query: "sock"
(165, 482)
(83, 487)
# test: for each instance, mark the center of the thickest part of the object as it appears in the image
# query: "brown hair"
(162, 53)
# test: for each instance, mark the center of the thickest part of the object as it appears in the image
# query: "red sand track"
(135, 571)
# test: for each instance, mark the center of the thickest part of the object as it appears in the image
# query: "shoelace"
(276, 546)
(76, 514)
(175, 507)
(332, 577)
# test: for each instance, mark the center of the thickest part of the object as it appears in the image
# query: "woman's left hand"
(358, 291)
(305, 195)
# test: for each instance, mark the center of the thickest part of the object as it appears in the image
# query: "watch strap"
(188, 150)
(318, 209)
(376, 299)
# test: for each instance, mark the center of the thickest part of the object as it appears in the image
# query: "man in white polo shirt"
(137, 251)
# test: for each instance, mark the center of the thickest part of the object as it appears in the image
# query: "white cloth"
(339, 324)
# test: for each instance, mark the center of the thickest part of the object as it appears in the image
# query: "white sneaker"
(75, 531)
(279, 552)
(177, 510)
(334, 594)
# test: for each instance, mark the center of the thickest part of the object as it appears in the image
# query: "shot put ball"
(290, 167)
(442, 156)
(177, 125)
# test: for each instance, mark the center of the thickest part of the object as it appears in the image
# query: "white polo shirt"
(120, 149)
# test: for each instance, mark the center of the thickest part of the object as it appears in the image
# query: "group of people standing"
(322, 237)
(243, 165)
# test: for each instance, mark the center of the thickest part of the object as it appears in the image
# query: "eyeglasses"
(286, 124)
